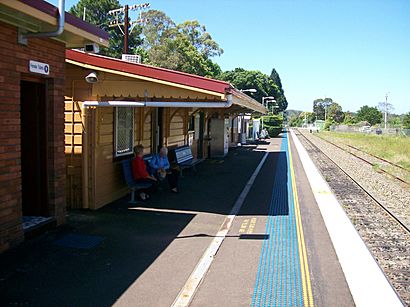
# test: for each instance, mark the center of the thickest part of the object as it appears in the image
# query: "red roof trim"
(51, 10)
(149, 71)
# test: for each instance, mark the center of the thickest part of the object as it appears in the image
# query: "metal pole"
(126, 25)
(385, 113)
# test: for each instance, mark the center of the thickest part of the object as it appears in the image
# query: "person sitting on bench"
(161, 169)
(140, 174)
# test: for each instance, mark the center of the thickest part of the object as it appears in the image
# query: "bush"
(272, 121)
(273, 124)
(274, 131)
(328, 123)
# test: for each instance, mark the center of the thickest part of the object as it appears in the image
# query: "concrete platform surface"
(144, 254)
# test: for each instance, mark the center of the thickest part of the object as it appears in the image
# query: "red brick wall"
(14, 59)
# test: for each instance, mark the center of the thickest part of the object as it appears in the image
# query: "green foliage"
(327, 125)
(273, 124)
(349, 118)
(254, 79)
(293, 113)
(311, 117)
(184, 47)
(276, 79)
(296, 121)
(179, 54)
(280, 97)
(394, 121)
(406, 121)
(272, 121)
(159, 27)
(335, 113)
(97, 14)
(274, 131)
(370, 114)
(321, 108)
(393, 148)
(293, 118)
(200, 39)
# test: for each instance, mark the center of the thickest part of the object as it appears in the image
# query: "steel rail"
(377, 157)
(368, 162)
(390, 213)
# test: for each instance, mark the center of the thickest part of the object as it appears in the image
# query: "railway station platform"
(258, 228)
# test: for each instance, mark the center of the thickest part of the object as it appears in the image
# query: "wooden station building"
(124, 104)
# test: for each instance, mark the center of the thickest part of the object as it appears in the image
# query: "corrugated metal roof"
(148, 71)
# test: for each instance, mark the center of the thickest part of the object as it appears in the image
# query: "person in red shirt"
(140, 173)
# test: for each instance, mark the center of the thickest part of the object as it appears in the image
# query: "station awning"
(147, 83)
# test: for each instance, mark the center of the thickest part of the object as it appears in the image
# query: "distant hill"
(293, 113)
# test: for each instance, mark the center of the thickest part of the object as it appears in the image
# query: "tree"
(335, 113)
(406, 121)
(159, 27)
(179, 54)
(320, 107)
(394, 121)
(369, 114)
(311, 117)
(184, 47)
(97, 14)
(280, 98)
(276, 79)
(200, 39)
(254, 79)
(349, 118)
(295, 121)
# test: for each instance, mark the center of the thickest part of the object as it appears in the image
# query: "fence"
(371, 130)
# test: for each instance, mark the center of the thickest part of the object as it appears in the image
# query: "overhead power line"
(127, 23)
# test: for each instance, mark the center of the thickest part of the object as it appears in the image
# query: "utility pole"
(385, 112)
(127, 23)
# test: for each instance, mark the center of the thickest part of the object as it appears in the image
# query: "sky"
(354, 51)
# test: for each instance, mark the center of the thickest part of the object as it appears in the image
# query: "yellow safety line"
(306, 285)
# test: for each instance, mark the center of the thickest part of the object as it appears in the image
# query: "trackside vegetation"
(395, 149)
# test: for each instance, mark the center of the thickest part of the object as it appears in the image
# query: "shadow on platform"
(131, 238)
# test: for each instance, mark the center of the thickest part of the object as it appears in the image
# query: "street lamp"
(274, 107)
(268, 98)
(250, 90)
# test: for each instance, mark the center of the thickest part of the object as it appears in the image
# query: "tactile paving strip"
(279, 278)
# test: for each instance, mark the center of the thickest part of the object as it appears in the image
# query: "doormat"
(30, 222)
(79, 241)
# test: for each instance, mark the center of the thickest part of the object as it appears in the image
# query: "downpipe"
(60, 24)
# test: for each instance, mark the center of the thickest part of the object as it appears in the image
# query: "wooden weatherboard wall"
(102, 180)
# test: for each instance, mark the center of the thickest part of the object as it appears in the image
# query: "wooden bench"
(132, 184)
(184, 158)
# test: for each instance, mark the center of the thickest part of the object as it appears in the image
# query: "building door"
(34, 148)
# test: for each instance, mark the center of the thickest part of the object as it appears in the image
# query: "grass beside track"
(392, 148)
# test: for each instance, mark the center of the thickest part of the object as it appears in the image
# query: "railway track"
(381, 159)
(372, 163)
(386, 235)
(388, 211)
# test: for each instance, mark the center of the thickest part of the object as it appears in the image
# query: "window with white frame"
(124, 131)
